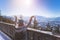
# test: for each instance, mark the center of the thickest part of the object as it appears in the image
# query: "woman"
(20, 30)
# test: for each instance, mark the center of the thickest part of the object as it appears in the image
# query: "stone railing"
(34, 34)
(31, 34)
(8, 29)
(12, 32)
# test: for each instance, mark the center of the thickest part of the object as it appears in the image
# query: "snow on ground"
(4, 36)
(1, 38)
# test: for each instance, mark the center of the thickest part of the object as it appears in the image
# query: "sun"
(28, 2)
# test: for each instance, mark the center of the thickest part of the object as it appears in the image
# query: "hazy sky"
(47, 8)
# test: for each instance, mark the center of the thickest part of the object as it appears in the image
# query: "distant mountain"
(39, 18)
(57, 19)
(44, 19)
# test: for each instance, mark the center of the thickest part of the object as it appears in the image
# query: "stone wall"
(33, 35)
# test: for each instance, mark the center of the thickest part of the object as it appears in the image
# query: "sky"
(47, 8)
